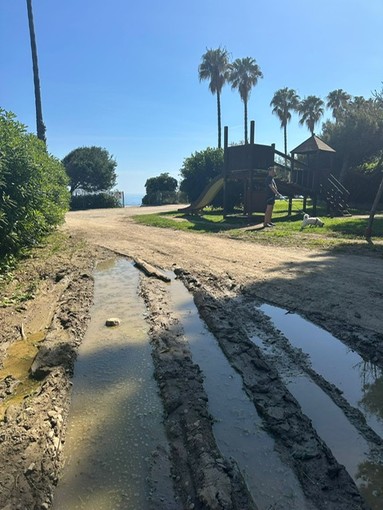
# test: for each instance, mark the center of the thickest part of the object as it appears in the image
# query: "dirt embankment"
(341, 292)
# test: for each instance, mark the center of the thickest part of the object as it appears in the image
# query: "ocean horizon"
(133, 199)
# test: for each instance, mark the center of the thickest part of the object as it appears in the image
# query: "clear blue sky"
(124, 75)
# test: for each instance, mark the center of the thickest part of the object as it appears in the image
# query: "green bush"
(33, 188)
(96, 201)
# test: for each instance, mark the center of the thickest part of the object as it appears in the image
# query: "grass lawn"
(345, 233)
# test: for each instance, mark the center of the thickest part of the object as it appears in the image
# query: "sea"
(133, 199)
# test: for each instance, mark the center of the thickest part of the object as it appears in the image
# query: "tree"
(200, 169)
(284, 101)
(90, 169)
(215, 67)
(244, 75)
(338, 100)
(374, 206)
(310, 110)
(160, 190)
(40, 126)
(358, 136)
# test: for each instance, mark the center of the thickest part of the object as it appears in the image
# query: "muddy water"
(115, 440)
(346, 443)
(360, 382)
(17, 364)
(238, 427)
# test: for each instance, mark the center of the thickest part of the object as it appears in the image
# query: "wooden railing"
(335, 195)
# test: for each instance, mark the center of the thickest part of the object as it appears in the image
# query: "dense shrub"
(94, 201)
(363, 186)
(33, 188)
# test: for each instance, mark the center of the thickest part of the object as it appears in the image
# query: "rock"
(112, 322)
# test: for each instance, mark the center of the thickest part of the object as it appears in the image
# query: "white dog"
(311, 221)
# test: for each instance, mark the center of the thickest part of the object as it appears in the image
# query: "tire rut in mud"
(324, 481)
(203, 479)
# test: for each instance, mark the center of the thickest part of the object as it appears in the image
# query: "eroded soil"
(340, 292)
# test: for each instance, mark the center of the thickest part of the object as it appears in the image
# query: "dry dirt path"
(327, 285)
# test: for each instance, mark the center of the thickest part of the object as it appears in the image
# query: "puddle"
(237, 428)
(347, 445)
(20, 356)
(115, 438)
(360, 382)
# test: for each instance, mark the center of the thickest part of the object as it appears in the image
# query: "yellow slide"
(206, 196)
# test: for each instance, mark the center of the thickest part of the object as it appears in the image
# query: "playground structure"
(307, 173)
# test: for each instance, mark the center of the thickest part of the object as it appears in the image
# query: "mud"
(226, 278)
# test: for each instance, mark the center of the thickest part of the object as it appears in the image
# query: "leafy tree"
(215, 67)
(200, 169)
(338, 100)
(33, 188)
(357, 136)
(160, 190)
(90, 169)
(310, 110)
(39, 113)
(284, 101)
(375, 203)
(244, 75)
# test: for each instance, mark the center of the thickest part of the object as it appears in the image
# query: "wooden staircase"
(335, 195)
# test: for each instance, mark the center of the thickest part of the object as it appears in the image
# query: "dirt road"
(326, 286)
(229, 279)
(340, 292)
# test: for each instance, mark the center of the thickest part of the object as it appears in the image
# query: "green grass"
(341, 233)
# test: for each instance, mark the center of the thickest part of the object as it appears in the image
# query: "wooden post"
(252, 132)
(225, 170)
(315, 200)
(290, 206)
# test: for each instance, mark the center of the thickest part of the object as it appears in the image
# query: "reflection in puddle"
(237, 428)
(360, 382)
(336, 365)
(115, 425)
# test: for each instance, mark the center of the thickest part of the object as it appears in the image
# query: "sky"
(123, 75)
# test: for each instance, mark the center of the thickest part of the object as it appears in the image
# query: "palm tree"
(244, 74)
(40, 126)
(338, 100)
(284, 101)
(215, 67)
(311, 110)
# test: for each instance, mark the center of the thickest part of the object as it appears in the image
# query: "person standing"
(271, 193)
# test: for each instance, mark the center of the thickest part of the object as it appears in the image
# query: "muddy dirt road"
(230, 281)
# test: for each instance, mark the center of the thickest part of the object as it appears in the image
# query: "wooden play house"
(307, 172)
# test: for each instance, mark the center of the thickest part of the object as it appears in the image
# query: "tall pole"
(40, 126)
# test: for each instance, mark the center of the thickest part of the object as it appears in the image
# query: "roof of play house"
(312, 144)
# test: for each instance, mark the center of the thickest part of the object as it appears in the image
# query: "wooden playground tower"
(307, 172)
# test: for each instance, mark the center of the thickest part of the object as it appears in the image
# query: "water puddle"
(346, 443)
(360, 382)
(115, 439)
(238, 427)
(15, 371)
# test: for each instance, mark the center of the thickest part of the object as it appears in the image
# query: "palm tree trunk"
(285, 143)
(219, 119)
(40, 126)
(245, 116)
(368, 233)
